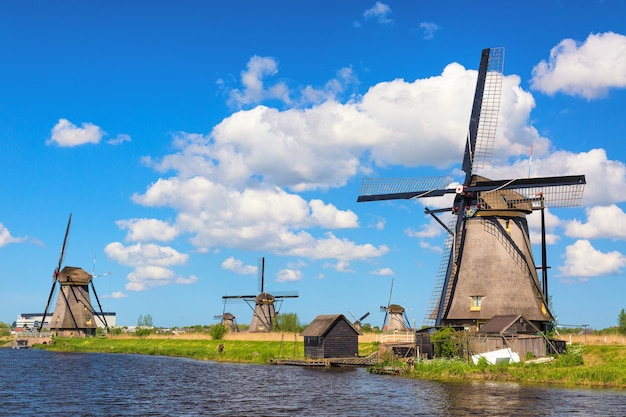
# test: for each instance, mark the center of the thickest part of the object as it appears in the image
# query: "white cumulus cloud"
(237, 266)
(588, 69)
(6, 238)
(67, 134)
(289, 275)
(583, 261)
(383, 272)
(379, 11)
(151, 264)
(144, 230)
(602, 222)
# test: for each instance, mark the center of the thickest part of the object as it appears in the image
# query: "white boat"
(497, 356)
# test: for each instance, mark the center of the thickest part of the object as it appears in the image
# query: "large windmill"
(488, 267)
(263, 311)
(73, 314)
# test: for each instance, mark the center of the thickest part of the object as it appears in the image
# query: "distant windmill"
(228, 320)
(395, 316)
(73, 314)
(488, 267)
(358, 322)
(264, 310)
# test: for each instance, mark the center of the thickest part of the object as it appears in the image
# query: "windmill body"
(396, 319)
(488, 268)
(264, 313)
(73, 313)
(395, 316)
(228, 320)
(493, 272)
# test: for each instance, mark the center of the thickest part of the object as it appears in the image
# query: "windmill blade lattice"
(489, 110)
(375, 189)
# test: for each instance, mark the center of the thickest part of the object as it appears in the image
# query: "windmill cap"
(74, 275)
(264, 297)
(395, 308)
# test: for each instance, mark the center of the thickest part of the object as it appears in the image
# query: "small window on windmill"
(475, 305)
(88, 321)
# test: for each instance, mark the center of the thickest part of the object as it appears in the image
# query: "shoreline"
(603, 365)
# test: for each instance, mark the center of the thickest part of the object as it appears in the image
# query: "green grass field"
(587, 365)
(245, 351)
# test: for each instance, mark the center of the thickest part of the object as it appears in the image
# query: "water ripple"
(83, 384)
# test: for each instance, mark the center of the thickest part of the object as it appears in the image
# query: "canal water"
(41, 383)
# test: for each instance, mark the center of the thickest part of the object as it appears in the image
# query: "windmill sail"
(490, 268)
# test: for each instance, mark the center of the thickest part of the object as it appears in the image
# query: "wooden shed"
(510, 331)
(331, 336)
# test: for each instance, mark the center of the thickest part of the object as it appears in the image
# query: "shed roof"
(500, 324)
(323, 323)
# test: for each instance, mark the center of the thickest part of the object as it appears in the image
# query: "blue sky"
(191, 138)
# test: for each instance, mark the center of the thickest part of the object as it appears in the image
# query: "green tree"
(366, 328)
(5, 330)
(447, 343)
(288, 322)
(144, 325)
(621, 322)
(145, 321)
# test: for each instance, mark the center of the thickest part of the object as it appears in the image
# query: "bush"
(218, 331)
(116, 331)
(142, 332)
(447, 343)
(573, 357)
(482, 362)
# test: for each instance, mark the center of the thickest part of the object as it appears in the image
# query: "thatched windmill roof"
(73, 275)
(265, 298)
(395, 309)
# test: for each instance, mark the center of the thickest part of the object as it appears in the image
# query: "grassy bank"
(585, 366)
(238, 350)
(588, 366)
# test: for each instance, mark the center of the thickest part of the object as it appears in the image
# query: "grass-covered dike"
(239, 350)
(600, 366)
(590, 366)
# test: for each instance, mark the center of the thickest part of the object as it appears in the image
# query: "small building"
(331, 336)
(423, 343)
(510, 331)
(32, 320)
(509, 325)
